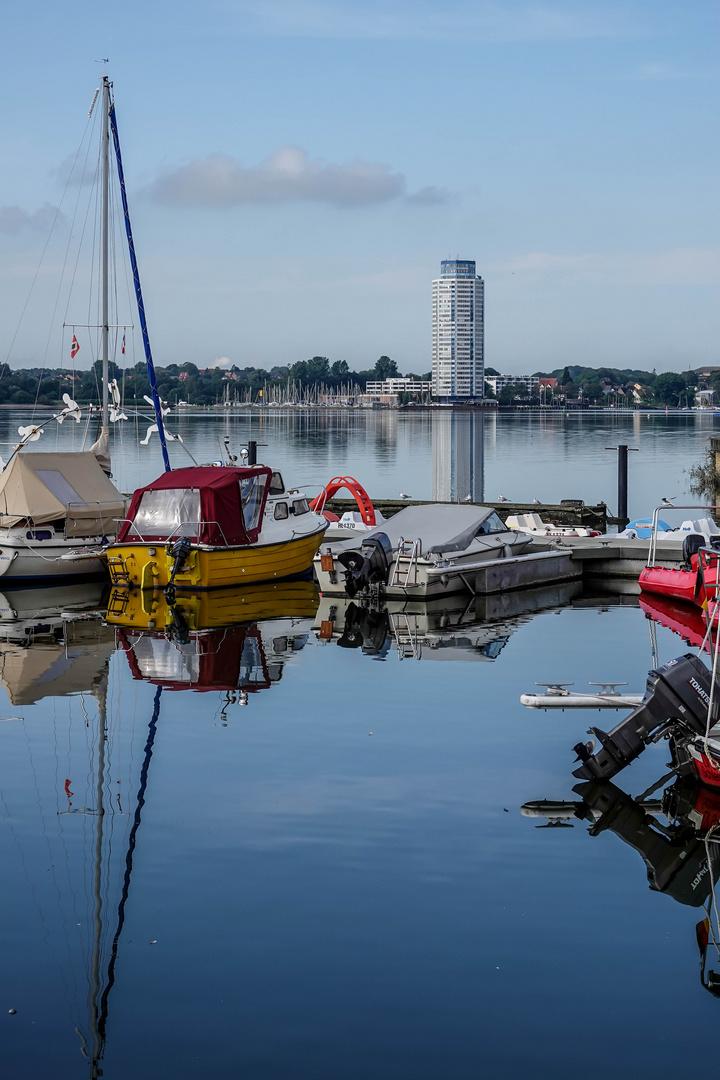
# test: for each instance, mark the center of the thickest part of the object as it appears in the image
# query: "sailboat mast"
(105, 286)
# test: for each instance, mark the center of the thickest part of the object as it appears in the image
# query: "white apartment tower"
(457, 332)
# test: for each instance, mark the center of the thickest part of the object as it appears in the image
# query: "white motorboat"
(57, 511)
(421, 551)
(533, 525)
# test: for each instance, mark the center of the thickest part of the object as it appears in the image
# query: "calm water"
(270, 889)
(428, 454)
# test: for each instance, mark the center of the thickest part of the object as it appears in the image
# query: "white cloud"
(662, 72)
(681, 266)
(15, 220)
(287, 175)
(223, 362)
(483, 20)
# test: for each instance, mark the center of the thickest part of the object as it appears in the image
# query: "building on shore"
(458, 314)
(388, 391)
(499, 382)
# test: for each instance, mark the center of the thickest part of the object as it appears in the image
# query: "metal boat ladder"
(405, 569)
(409, 646)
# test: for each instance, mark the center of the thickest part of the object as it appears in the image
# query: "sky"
(297, 169)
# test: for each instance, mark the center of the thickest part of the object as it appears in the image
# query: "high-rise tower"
(457, 332)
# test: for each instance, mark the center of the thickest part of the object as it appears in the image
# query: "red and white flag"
(75, 347)
(123, 346)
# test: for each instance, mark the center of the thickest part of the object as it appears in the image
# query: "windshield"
(492, 524)
(251, 497)
(169, 512)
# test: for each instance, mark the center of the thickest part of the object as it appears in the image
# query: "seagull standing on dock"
(537, 502)
(501, 498)
(404, 496)
(468, 498)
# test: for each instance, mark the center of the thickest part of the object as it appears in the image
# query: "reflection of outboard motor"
(179, 551)
(675, 856)
(367, 566)
(179, 630)
(677, 698)
(366, 628)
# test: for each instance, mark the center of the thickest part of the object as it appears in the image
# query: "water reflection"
(681, 853)
(458, 456)
(53, 642)
(232, 640)
(452, 628)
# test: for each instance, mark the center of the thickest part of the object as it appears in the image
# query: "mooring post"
(622, 453)
(252, 452)
(622, 482)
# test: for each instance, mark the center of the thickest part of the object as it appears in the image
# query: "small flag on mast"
(122, 350)
(75, 347)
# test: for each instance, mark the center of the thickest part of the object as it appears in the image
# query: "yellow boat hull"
(149, 566)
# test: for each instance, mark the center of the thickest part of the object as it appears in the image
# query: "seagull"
(537, 502)
(501, 498)
(667, 501)
(404, 496)
(468, 498)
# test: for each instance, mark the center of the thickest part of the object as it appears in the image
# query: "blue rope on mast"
(138, 293)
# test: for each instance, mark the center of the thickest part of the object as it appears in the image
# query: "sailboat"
(59, 511)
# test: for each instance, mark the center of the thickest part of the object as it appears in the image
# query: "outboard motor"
(179, 551)
(367, 566)
(677, 697)
(691, 545)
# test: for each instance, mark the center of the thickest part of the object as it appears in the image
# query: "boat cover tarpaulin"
(55, 670)
(203, 502)
(442, 527)
(46, 487)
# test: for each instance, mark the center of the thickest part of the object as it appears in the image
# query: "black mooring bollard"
(622, 482)
(252, 452)
(622, 453)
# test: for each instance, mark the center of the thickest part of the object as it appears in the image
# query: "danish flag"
(123, 346)
(75, 347)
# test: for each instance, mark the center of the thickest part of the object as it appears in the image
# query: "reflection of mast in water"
(97, 1001)
(458, 456)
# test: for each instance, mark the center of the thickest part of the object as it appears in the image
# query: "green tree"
(385, 368)
(668, 388)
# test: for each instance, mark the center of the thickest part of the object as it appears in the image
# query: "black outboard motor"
(691, 545)
(677, 697)
(368, 565)
(179, 551)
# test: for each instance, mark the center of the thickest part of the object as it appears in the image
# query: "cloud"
(681, 266)
(662, 72)
(479, 20)
(14, 220)
(223, 362)
(287, 175)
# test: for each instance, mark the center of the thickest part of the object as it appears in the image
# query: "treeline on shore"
(618, 386)
(187, 382)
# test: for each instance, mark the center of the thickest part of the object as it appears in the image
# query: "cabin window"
(281, 511)
(252, 489)
(492, 524)
(276, 484)
(170, 512)
(300, 506)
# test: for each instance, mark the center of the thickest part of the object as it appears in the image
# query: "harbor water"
(272, 849)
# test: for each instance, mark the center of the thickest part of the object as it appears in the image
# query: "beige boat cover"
(50, 486)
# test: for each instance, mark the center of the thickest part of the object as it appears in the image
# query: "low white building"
(499, 382)
(398, 386)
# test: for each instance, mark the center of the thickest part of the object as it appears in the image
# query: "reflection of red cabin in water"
(686, 620)
(230, 658)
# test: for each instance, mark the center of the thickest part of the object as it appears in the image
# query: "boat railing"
(655, 518)
(167, 539)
